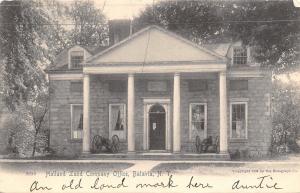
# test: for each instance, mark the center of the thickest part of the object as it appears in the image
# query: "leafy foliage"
(286, 112)
(28, 128)
(90, 25)
(25, 50)
(271, 27)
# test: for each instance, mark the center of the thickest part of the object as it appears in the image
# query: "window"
(117, 117)
(239, 56)
(238, 85)
(76, 57)
(238, 120)
(198, 120)
(76, 121)
(197, 85)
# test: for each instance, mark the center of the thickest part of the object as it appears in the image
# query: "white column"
(130, 114)
(176, 114)
(86, 114)
(223, 113)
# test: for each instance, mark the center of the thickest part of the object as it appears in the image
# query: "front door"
(157, 121)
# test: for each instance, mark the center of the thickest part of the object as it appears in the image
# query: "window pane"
(233, 113)
(239, 56)
(238, 128)
(76, 58)
(196, 125)
(198, 121)
(198, 113)
(77, 122)
(117, 117)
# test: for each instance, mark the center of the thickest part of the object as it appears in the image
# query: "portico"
(174, 128)
(197, 60)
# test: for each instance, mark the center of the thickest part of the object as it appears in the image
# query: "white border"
(235, 102)
(190, 119)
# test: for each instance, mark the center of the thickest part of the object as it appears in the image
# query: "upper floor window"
(239, 55)
(76, 57)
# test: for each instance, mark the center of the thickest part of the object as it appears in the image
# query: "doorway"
(157, 127)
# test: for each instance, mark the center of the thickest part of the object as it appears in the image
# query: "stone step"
(157, 156)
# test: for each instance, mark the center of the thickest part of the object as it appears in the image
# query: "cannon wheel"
(115, 144)
(97, 143)
(198, 144)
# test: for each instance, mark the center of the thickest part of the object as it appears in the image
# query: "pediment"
(154, 44)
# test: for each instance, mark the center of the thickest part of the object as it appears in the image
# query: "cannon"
(208, 145)
(100, 142)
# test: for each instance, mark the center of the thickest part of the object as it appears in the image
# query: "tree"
(285, 115)
(195, 20)
(89, 25)
(271, 27)
(26, 33)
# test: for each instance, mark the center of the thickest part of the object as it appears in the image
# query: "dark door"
(157, 121)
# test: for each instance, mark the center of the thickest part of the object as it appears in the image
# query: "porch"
(157, 121)
(151, 124)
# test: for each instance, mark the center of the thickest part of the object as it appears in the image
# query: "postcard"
(149, 96)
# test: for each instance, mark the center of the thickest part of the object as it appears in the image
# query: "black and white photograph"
(149, 96)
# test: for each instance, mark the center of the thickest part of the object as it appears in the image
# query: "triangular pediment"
(154, 44)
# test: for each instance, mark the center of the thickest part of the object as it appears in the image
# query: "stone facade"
(62, 96)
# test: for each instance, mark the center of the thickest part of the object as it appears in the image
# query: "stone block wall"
(259, 124)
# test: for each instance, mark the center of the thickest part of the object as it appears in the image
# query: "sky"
(120, 9)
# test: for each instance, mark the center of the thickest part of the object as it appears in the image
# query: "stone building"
(157, 91)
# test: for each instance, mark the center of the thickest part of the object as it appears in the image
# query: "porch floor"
(157, 156)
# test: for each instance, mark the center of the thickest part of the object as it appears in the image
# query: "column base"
(85, 153)
(176, 152)
(223, 152)
(224, 155)
(131, 152)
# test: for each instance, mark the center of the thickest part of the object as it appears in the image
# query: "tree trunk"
(34, 144)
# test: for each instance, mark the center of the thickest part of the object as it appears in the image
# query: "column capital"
(222, 73)
(176, 74)
(86, 74)
(131, 74)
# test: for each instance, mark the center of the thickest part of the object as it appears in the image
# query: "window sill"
(75, 140)
(238, 140)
